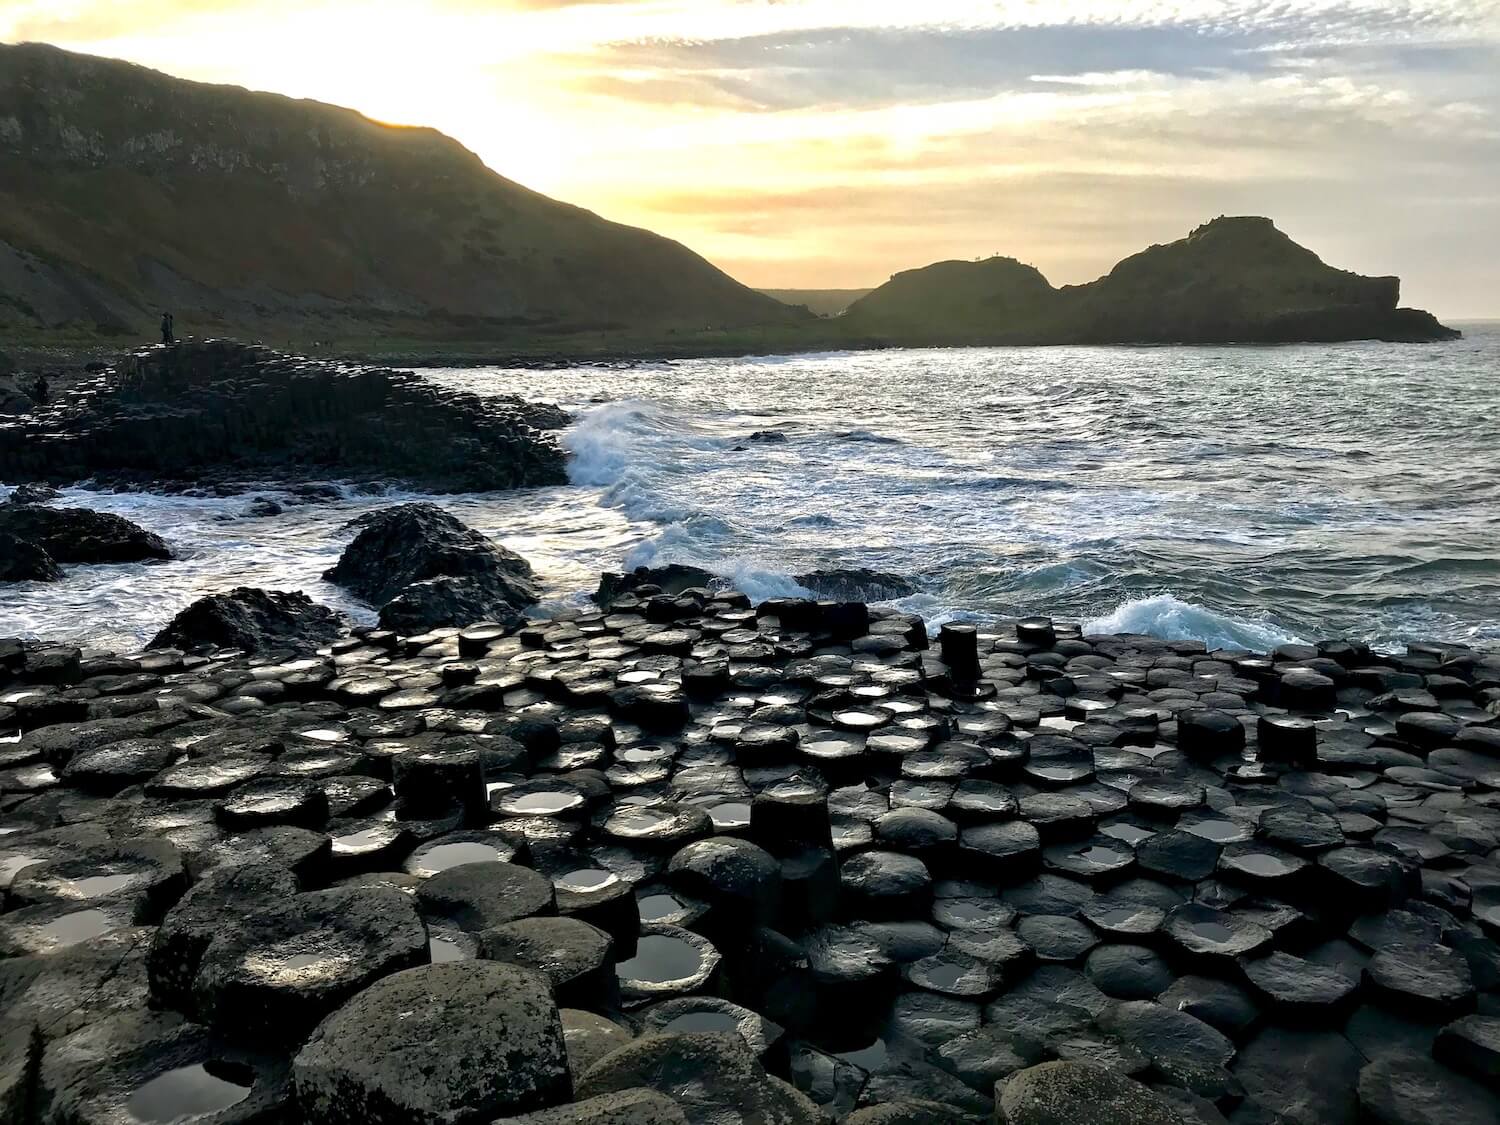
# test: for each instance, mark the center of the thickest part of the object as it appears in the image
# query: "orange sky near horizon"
(830, 143)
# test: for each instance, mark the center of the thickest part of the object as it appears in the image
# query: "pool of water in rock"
(661, 959)
(586, 879)
(443, 856)
(189, 1092)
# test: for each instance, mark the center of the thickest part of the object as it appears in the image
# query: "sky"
(831, 143)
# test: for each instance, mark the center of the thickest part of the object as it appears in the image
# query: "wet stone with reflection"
(683, 859)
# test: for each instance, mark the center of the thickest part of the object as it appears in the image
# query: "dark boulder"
(672, 579)
(80, 535)
(32, 494)
(21, 560)
(1062, 1093)
(273, 974)
(432, 570)
(435, 1045)
(251, 619)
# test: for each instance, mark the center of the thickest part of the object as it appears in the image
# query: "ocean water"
(1239, 495)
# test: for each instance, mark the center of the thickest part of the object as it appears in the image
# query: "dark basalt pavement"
(681, 859)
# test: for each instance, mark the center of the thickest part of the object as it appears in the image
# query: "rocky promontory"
(680, 859)
(222, 412)
(1237, 279)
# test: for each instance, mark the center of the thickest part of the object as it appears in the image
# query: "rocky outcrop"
(856, 584)
(21, 560)
(80, 535)
(825, 870)
(220, 411)
(673, 578)
(1233, 280)
(251, 620)
(429, 569)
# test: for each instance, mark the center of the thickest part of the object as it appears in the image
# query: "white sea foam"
(1172, 619)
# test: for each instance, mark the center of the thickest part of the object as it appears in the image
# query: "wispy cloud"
(808, 142)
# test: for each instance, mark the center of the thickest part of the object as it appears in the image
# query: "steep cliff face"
(1236, 279)
(127, 191)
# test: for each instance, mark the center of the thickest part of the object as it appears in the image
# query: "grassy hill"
(1234, 279)
(126, 192)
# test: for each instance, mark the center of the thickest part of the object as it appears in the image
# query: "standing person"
(167, 335)
(41, 393)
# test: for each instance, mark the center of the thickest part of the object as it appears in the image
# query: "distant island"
(309, 226)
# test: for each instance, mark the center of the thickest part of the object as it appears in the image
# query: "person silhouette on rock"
(167, 334)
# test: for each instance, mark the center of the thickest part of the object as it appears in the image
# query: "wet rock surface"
(225, 412)
(429, 571)
(769, 863)
(251, 620)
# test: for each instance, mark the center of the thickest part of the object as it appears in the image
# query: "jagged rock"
(81, 535)
(672, 579)
(1069, 1093)
(219, 410)
(32, 494)
(436, 1045)
(856, 584)
(432, 570)
(714, 1079)
(21, 560)
(251, 620)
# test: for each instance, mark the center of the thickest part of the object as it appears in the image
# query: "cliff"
(127, 192)
(1233, 280)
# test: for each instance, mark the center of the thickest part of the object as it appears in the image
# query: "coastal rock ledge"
(678, 859)
(220, 412)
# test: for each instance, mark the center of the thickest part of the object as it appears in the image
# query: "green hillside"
(126, 192)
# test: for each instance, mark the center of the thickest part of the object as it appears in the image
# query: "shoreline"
(59, 360)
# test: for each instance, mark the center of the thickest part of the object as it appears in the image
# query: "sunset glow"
(831, 142)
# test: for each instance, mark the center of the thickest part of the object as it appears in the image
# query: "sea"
(1241, 496)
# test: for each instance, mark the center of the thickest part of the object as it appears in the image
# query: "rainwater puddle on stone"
(544, 804)
(720, 1022)
(655, 908)
(442, 949)
(1130, 833)
(1219, 831)
(872, 1058)
(585, 880)
(730, 814)
(1213, 931)
(1058, 773)
(1104, 857)
(96, 886)
(365, 838)
(1266, 866)
(1057, 722)
(444, 856)
(191, 1091)
(78, 926)
(1115, 916)
(324, 735)
(942, 976)
(660, 959)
